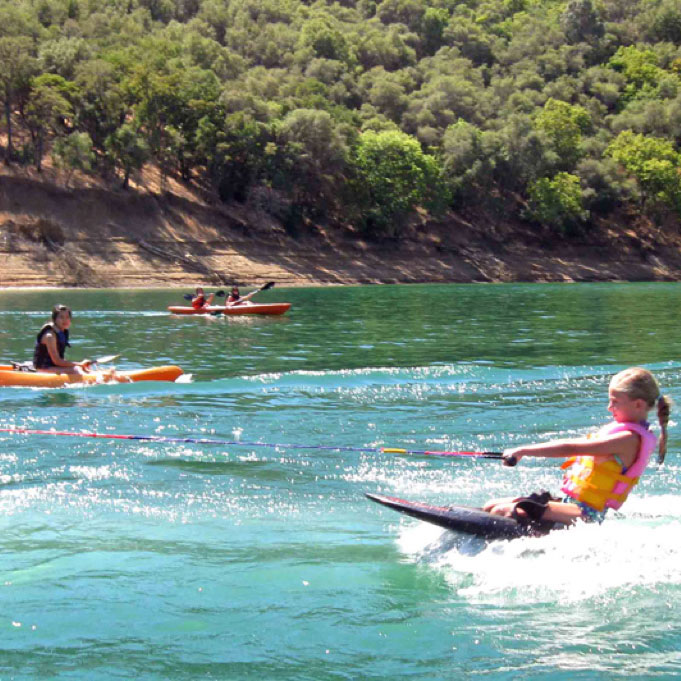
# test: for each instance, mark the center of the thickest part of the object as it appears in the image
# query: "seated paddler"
(51, 343)
(200, 299)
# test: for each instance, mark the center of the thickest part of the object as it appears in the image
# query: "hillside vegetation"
(357, 113)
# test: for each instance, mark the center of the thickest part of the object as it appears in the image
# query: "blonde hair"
(640, 384)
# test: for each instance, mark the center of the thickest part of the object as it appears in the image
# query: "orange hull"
(265, 308)
(44, 379)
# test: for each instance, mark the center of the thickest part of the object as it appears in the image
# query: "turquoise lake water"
(138, 560)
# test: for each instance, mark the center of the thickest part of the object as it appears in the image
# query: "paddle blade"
(107, 359)
(188, 296)
(220, 293)
(267, 286)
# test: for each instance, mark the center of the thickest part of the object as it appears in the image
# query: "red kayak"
(246, 308)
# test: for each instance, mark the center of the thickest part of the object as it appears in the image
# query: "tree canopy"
(360, 111)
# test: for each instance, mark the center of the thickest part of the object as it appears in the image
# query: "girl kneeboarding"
(601, 470)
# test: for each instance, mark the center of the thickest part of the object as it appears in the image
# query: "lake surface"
(139, 560)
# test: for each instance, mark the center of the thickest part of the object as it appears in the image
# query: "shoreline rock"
(98, 238)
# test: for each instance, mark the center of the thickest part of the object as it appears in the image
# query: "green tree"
(47, 110)
(216, 15)
(393, 177)
(653, 162)
(160, 10)
(604, 188)
(317, 153)
(72, 9)
(101, 107)
(157, 93)
(407, 12)
(235, 151)
(390, 47)
(73, 152)
(640, 69)
(18, 19)
(557, 202)
(581, 22)
(231, 93)
(666, 22)
(471, 39)
(563, 124)
(18, 66)
(468, 159)
(323, 37)
(128, 149)
(433, 24)
(197, 94)
(440, 102)
(523, 156)
(61, 56)
(389, 97)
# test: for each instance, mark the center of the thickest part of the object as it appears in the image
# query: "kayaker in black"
(234, 296)
(51, 343)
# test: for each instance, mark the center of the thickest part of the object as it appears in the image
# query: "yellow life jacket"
(601, 483)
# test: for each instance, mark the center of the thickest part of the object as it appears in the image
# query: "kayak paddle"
(264, 287)
(28, 366)
(190, 296)
(107, 359)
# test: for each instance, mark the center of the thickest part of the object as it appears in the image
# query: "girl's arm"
(51, 344)
(625, 444)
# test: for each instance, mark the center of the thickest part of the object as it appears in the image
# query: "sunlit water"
(123, 559)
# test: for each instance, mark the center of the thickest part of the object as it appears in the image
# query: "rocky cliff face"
(91, 236)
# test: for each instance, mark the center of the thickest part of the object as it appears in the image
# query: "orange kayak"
(46, 379)
(253, 308)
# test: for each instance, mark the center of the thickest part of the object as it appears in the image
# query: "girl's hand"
(512, 456)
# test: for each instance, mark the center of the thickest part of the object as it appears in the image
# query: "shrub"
(394, 176)
(653, 162)
(73, 153)
(557, 202)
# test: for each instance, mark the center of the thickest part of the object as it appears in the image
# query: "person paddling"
(200, 300)
(234, 296)
(51, 343)
(601, 470)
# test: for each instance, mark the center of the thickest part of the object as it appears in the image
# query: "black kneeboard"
(466, 519)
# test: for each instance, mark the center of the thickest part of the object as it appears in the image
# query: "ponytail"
(664, 405)
(640, 384)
